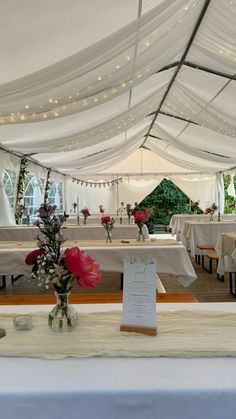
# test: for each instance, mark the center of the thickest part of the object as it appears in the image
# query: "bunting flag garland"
(95, 184)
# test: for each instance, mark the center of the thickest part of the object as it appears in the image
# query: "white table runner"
(184, 334)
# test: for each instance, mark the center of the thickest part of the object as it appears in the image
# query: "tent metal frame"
(180, 64)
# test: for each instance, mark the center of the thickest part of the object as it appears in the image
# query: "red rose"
(106, 219)
(140, 215)
(31, 258)
(85, 211)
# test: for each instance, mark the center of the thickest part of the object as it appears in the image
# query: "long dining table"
(73, 232)
(171, 256)
(177, 221)
(195, 232)
(112, 387)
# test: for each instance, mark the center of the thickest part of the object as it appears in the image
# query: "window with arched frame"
(9, 180)
(56, 195)
(33, 191)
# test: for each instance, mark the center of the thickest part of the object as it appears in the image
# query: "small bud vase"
(63, 317)
(140, 235)
(108, 238)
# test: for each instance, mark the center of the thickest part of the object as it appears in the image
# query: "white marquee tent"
(113, 96)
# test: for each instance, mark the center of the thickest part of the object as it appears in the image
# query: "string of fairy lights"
(107, 81)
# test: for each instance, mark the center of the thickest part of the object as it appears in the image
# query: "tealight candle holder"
(23, 322)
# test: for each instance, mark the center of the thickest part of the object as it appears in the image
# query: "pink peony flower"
(31, 258)
(90, 280)
(83, 267)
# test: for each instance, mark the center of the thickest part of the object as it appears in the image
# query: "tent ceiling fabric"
(82, 90)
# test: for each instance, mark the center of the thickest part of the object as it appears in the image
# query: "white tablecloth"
(96, 218)
(171, 259)
(81, 232)
(204, 232)
(118, 388)
(226, 249)
(177, 221)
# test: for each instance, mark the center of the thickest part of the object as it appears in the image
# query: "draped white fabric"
(57, 198)
(79, 92)
(231, 188)
(6, 213)
(38, 196)
(91, 197)
(135, 190)
(200, 188)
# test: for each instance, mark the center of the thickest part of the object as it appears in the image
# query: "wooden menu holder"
(150, 331)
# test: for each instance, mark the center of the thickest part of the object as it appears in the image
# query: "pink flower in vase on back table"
(140, 215)
(101, 209)
(108, 224)
(86, 214)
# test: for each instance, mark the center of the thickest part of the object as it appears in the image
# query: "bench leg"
(231, 288)
(121, 280)
(4, 284)
(15, 278)
(202, 258)
(220, 277)
(197, 259)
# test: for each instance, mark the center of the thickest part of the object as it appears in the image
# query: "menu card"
(139, 296)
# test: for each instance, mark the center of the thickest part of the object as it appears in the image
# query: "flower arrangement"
(140, 216)
(211, 210)
(108, 224)
(233, 205)
(54, 268)
(101, 209)
(86, 214)
(194, 207)
(51, 267)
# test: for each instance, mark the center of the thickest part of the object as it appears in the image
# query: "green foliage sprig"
(47, 187)
(19, 208)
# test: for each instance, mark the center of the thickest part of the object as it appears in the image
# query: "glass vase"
(108, 238)
(85, 220)
(140, 235)
(63, 317)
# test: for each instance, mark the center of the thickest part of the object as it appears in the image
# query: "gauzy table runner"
(182, 333)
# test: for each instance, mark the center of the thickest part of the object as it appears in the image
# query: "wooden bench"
(213, 257)
(203, 247)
